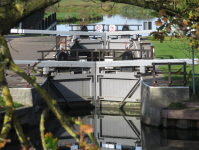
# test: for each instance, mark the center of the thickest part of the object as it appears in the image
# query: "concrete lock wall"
(27, 96)
(154, 99)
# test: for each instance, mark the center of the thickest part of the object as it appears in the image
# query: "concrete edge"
(32, 87)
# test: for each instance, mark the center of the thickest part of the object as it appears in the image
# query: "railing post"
(65, 43)
(99, 55)
(108, 28)
(91, 55)
(28, 73)
(154, 84)
(169, 67)
(185, 73)
(113, 54)
(152, 52)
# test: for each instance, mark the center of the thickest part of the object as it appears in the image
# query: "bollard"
(28, 86)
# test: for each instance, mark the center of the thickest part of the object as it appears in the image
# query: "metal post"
(147, 23)
(20, 24)
(193, 70)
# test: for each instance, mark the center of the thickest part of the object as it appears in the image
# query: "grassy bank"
(177, 49)
(3, 104)
(89, 6)
(75, 16)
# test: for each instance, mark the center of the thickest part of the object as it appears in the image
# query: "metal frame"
(96, 50)
(169, 73)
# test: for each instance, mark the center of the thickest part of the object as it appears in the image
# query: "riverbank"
(89, 6)
(76, 16)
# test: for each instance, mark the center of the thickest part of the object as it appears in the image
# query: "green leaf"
(154, 13)
(161, 27)
(51, 142)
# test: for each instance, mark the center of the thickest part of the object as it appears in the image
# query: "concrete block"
(153, 99)
(181, 114)
(168, 122)
(156, 116)
(185, 124)
(22, 96)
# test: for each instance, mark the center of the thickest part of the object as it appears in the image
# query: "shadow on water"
(114, 129)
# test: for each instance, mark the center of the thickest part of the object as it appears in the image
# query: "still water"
(115, 19)
(115, 129)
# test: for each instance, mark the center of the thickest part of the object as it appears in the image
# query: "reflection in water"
(112, 130)
(115, 129)
(131, 11)
(169, 139)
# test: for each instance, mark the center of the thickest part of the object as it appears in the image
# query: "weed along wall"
(33, 104)
(154, 99)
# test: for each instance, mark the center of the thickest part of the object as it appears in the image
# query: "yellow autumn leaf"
(184, 23)
(19, 8)
(165, 19)
(162, 12)
(87, 128)
(49, 134)
(158, 22)
(2, 144)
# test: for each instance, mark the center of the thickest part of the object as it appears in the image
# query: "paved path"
(27, 48)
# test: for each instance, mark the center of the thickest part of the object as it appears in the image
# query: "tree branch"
(42, 128)
(17, 11)
(9, 103)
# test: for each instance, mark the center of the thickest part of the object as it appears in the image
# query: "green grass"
(3, 104)
(75, 16)
(176, 49)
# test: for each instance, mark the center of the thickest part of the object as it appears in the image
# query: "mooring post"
(193, 70)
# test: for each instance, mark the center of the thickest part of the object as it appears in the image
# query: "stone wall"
(154, 99)
(29, 97)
